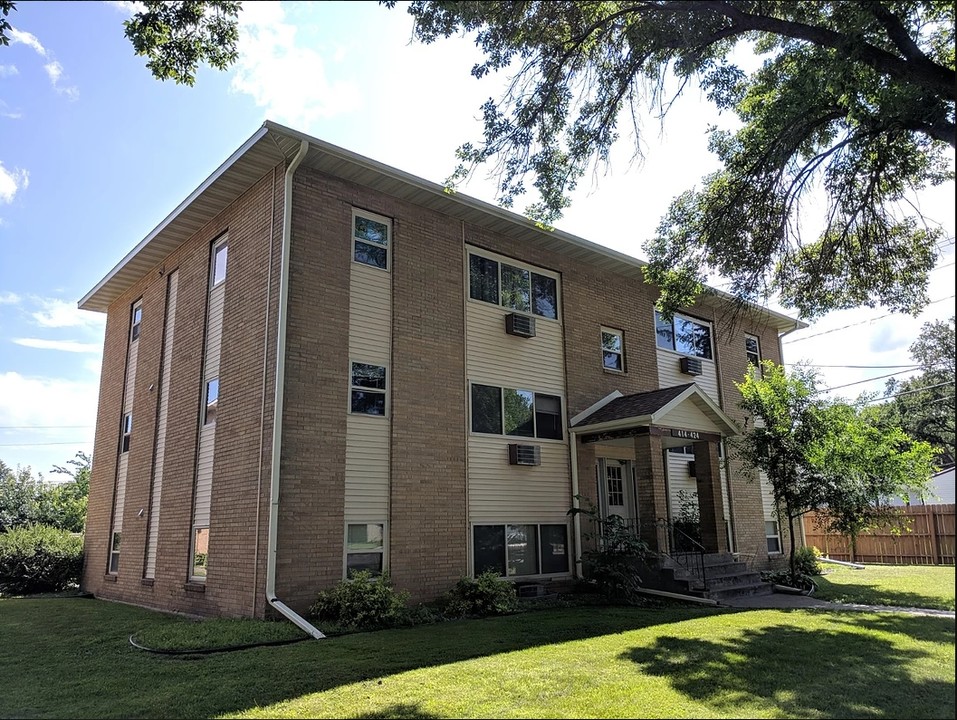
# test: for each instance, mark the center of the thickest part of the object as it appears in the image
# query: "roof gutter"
(272, 548)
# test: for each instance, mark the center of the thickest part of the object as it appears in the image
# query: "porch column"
(651, 490)
(708, 478)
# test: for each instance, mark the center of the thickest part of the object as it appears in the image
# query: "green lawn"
(925, 586)
(71, 658)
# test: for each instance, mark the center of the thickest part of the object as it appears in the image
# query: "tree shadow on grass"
(400, 711)
(874, 594)
(852, 670)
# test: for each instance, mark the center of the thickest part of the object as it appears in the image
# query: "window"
(136, 320)
(220, 252)
(370, 240)
(212, 400)
(519, 413)
(752, 348)
(691, 337)
(616, 486)
(368, 389)
(115, 554)
(612, 350)
(513, 287)
(127, 432)
(365, 548)
(200, 553)
(773, 535)
(520, 550)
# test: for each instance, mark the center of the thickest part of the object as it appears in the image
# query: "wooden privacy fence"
(926, 538)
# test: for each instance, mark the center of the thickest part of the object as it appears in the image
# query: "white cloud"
(54, 70)
(11, 114)
(61, 345)
(28, 39)
(125, 7)
(11, 182)
(290, 82)
(8, 71)
(9, 298)
(55, 313)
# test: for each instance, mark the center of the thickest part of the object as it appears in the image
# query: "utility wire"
(857, 367)
(860, 382)
(911, 392)
(859, 322)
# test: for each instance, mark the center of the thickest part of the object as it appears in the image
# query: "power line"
(859, 382)
(911, 392)
(858, 367)
(859, 322)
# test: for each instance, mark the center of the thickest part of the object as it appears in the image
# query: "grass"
(214, 633)
(924, 586)
(71, 658)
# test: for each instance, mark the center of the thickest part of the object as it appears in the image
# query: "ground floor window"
(520, 550)
(773, 534)
(200, 554)
(115, 553)
(365, 548)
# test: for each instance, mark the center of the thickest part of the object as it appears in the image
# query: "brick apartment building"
(450, 377)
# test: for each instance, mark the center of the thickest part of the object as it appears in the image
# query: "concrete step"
(720, 582)
(750, 589)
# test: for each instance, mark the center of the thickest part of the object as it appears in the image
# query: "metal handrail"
(684, 550)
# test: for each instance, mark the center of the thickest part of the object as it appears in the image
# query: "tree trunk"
(791, 540)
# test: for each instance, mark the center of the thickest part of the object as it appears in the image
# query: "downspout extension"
(272, 549)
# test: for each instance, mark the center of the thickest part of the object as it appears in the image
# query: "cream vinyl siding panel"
(162, 413)
(725, 494)
(688, 416)
(767, 497)
(119, 499)
(204, 475)
(370, 315)
(497, 358)
(503, 493)
(367, 468)
(678, 480)
(214, 332)
(669, 373)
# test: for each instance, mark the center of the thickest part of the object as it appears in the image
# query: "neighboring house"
(940, 491)
(450, 378)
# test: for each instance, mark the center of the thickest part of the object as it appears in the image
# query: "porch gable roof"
(651, 408)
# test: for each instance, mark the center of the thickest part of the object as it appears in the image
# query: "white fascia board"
(620, 424)
(613, 395)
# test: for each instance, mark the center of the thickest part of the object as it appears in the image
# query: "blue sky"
(94, 153)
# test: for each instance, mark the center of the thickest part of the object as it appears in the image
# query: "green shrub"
(806, 561)
(614, 565)
(39, 558)
(363, 602)
(477, 597)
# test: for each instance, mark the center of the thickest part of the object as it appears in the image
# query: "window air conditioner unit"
(520, 325)
(524, 454)
(691, 366)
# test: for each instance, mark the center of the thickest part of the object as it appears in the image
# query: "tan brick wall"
(229, 589)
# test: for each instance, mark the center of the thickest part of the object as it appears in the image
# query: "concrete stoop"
(726, 578)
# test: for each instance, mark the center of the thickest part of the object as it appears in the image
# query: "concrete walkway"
(784, 601)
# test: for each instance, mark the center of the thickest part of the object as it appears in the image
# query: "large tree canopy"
(854, 99)
(174, 37)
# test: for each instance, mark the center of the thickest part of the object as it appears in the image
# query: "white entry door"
(618, 489)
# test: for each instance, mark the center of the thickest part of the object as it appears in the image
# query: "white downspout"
(272, 548)
(576, 517)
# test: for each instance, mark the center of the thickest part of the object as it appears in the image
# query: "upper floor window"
(514, 287)
(752, 348)
(135, 321)
(212, 401)
(612, 349)
(370, 239)
(220, 253)
(691, 337)
(520, 413)
(127, 432)
(368, 389)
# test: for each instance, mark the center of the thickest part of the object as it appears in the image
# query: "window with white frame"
(220, 255)
(752, 348)
(520, 550)
(114, 566)
(368, 389)
(126, 432)
(512, 286)
(518, 413)
(371, 235)
(612, 349)
(136, 319)
(365, 548)
(212, 401)
(773, 534)
(684, 335)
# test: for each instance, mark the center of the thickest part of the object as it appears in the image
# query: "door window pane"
(489, 548)
(486, 409)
